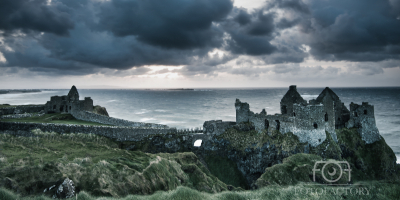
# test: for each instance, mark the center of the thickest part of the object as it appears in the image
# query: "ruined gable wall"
(291, 97)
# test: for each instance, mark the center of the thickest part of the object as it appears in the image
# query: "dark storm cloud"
(178, 24)
(33, 15)
(250, 33)
(358, 30)
(86, 36)
(242, 18)
(96, 42)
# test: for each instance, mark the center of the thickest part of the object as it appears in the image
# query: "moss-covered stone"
(299, 168)
(328, 149)
(241, 140)
(226, 170)
(374, 161)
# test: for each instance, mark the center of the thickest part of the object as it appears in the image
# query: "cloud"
(207, 37)
(178, 24)
(359, 30)
(33, 15)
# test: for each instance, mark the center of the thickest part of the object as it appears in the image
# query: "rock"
(100, 110)
(61, 189)
(65, 190)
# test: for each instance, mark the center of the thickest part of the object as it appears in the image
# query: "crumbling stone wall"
(92, 117)
(242, 111)
(363, 118)
(17, 116)
(309, 124)
(21, 109)
(113, 132)
(216, 127)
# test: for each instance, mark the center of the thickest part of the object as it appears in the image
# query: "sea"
(190, 108)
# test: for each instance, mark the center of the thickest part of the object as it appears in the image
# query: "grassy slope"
(96, 165)
(55, 118)
(376, 190)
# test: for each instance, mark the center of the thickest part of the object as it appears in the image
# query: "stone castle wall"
(113, 132)
(21, 109)
(92, 117)
(363, 118)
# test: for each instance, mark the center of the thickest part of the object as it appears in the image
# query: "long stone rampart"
(114, 132)
(21, 109)
(93, 117)
(17, 116)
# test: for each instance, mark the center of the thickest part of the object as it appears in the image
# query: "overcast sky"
(199, 43)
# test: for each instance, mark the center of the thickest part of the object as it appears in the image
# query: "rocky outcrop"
(100, 110)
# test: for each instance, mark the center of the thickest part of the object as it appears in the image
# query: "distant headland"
(18, 91)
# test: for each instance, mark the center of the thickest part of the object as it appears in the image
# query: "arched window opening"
(315, 125)
(365, 112)
(294, 114)
(338, 119)
(278, 125)
(356, 114)
(266, 124)
(197, 143)
(326, 117)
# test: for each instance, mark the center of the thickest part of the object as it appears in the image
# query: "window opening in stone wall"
(365, 112)
(326, 117)
(54, 107)
(278, 125)
(338, 119)
(266, 124)
(284, 110)
(315, 125)
(294, 114)
(198, 143)
(61, 108)
(69, 107)
(355, 114)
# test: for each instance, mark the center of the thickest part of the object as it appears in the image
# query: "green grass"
(376, 190)
(226, 170)
(97, 166)
(55, 118)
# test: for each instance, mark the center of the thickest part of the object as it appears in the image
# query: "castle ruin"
(310, 121)
(68, 103)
